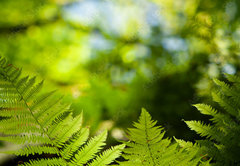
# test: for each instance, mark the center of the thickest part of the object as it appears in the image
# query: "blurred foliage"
(110, 58)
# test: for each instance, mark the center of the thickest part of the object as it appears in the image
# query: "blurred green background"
(110, 58)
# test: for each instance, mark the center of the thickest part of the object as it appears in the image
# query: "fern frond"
(204, 130)
(186, 144)
(33, 91)
(146, 146)
(232, 78)
(26, 138)
(46, 162)
(37, 149)
(107, 156)
(222, 143)
(65, 130)
(44, 125)
(75, 142)
(90, 149)
(220, 119)
(225, 102)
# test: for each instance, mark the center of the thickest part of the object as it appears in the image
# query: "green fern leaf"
(88, 151)
(146, 147)
(78, 140)
(107, 156)
(222, 143)
(44, 125)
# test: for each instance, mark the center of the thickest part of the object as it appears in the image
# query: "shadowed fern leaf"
(148, 148)
(223, 135)
(45, 125)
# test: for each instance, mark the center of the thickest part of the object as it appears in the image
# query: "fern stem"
(148, 146)
(29, 109)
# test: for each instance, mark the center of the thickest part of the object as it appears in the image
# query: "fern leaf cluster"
(148, 148)
(44, 125)
(222, 141)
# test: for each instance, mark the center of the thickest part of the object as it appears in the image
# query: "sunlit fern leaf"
(147, 147)
(47, 162)
(107, 156)
(222, 143)
(233, 78)
(226, 102)
(34, 149)
(204, 130)
(218, 118)
(189, 146)
(88, 151)
(74, 143)
(43, 125)
(33, 91)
